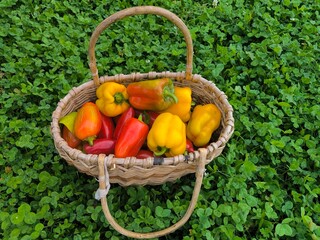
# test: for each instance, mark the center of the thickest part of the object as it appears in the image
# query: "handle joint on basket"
(104, 183)
(202, 161)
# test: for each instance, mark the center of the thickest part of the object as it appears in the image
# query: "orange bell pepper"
(154, 95)
(88, 122)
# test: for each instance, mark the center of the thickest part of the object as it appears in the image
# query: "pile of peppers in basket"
(151, 118)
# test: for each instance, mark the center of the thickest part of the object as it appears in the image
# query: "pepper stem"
(118, 98)
(161, 151)
(140, 118)
(168, 94)
(90, 140)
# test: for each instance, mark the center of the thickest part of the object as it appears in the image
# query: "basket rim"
(219, 144)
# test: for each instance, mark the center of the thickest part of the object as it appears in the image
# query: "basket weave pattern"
(133, 171)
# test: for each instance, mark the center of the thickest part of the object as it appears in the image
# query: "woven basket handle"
(199, 176)
(139, 11)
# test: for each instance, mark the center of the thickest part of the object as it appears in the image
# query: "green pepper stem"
(161, 151)
(140, 118)
(118, 98)
(168, 94)
(90, 140)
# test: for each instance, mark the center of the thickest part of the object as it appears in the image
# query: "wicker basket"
(150, 171)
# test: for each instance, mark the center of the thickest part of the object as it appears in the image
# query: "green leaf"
(160, 212)
(217, 69)
(25, 141)
(24, 208)
(283, 229)
(17, 218)
(15, 233)
(13, 182)
(269, 211)
(248, 168)
(30, 218)
(39, 227)
(204, 222)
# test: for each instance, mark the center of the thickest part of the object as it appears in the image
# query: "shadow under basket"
(153, 170)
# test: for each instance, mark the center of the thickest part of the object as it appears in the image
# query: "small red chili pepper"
(143, 153)
(132, 137)
(122, 120)
(107, 127)
(70, 138)
(88, 122)
(189, 147)
(100, 145)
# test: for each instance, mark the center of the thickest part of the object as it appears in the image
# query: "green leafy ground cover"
(263, 54)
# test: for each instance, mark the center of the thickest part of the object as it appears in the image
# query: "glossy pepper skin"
(107, 127)
(101, 145)
(70, 138)
(131, 138)
(167, 135)
(129, 113)
(190, 148)
(183, 106)
(154, 95)
(112, 98)
(88, 122)
(144, 153)
(205, 119)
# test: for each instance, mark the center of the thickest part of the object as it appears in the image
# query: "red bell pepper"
(70, 138)
(122, 120)
(189, 147)
(147, 116)
(88, 122)
(143, 153)
(155, 95)
(100, 145)
(132, 137)
(107, 127)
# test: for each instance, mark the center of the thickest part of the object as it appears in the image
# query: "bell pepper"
(88, 122)
(131, 138)
(143, 153)
(189, 148)
(183, 106)
(68, 130)
(99, 146)
(167, 135)
(112, 98)
(70, 138)
(129, 113)
(107, 127)
(155, 95)
(204, 120)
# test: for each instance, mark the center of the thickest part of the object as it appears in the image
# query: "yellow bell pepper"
(183, 106)
(167, 135)
(112, 99)
(205, 119)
